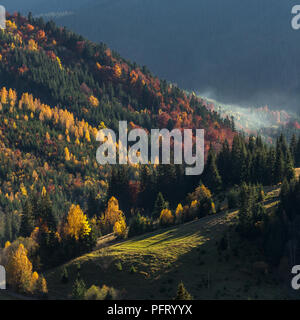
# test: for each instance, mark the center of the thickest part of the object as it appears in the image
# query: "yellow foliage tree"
(34, 280)
(87, 136)
(117, 70)
(67, 154)
(41, 286)
(120, 227)
(32, 45)
(23, 190)
(48, 136)
(166, 217)
(19, 270)
(7, 244)
(93, 101)
(10, 25)
(59, 63)
(112, 215)
(4, 95)
(179, 213)
(77, 225)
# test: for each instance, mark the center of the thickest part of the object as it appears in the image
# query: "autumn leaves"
(77, 225)
(20, 275)
(113, 219)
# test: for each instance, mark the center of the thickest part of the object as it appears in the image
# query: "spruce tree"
(27, 220)
(46, 213)
(224, 164)
(64, 275)
(182, 293)
(79, 289)
(297, 154)
(211, 176)
(245, 212)
(159, 205)
(293, 147)
(289, 167)
(279, 165)
(147, 196)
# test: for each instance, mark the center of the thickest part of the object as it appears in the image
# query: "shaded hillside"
(242, 53)
(63, 69)
(190, 253)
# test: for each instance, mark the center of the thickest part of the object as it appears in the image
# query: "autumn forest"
(57, 204)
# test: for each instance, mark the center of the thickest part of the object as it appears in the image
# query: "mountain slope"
(201, 45)
(188, 252)
(63, 69)
(57, 90)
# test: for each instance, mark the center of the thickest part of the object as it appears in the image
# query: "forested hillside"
(56, 91)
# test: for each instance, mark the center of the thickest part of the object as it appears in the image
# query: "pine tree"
(8, 233)
(279, 165)
(289, 166)
(94, 205)
(182, 293)
(224, 164)
(293, 147)
(79, 290)
(166, 181)
(159, 205)
(245, 212)
(148, 188)
(64, 275)
(119, 186)
(45, 211)
(270, 167)
(297, 154)
(27, 221)
(211, 176)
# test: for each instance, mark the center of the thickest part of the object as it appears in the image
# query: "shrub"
(104, 293)
(119, 266)
(64, 276)
(140, 225)
(182, 293)
(79, 290)
(132, 269)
